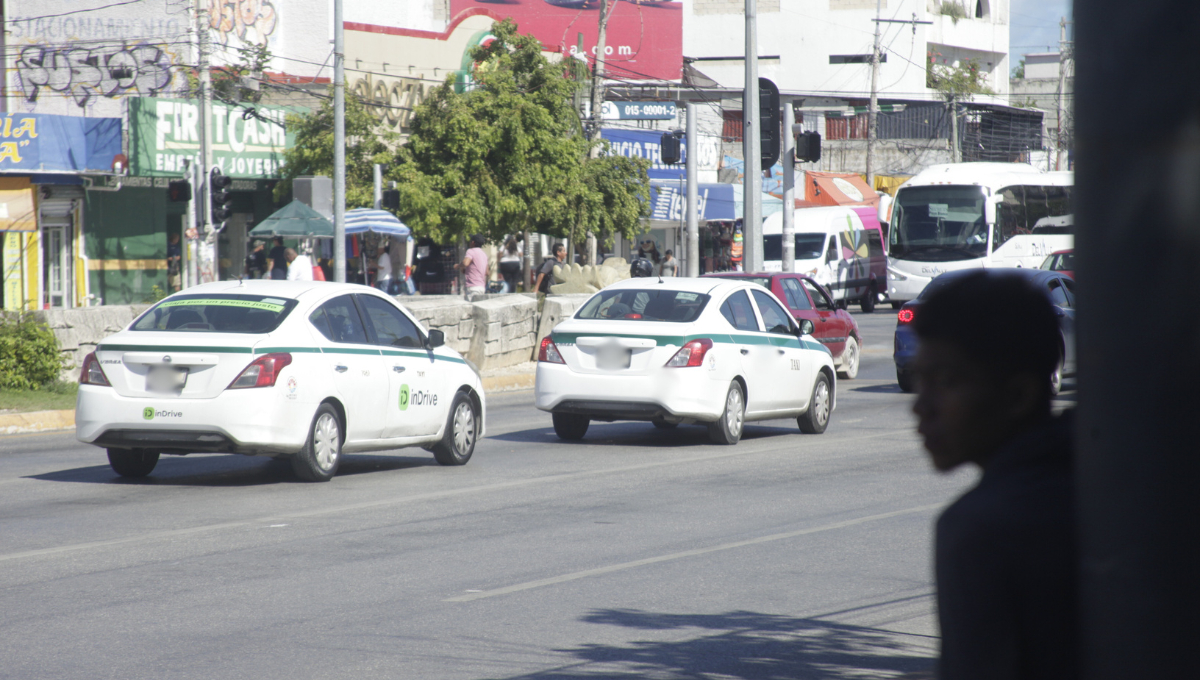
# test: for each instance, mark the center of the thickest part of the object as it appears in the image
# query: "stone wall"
(504, 331)
(557, 308)
(79, 330)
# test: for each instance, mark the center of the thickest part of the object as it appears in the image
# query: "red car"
(1062, 261)
(808, 300)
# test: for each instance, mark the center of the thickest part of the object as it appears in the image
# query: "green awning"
(294, 220)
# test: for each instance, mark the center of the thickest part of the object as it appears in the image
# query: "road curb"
(37, 421)
(508, 383)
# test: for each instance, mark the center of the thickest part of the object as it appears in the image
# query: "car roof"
(284, 289)
(682, 283)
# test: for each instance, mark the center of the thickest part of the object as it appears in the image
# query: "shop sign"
(713, 202)
(43, 143)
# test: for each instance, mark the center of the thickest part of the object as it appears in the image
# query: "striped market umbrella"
(362, 220)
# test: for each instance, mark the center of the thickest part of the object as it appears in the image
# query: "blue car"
(1059, 289)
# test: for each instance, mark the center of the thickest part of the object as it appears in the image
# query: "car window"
(1066, 261)
(644, 305)
(818, 296)
(1058, 295)
(392, 328)
(1070, 286)
(339, 321)
(831, 253)
(774, 316)
(796, 298)
(216, 314)
(738, 312)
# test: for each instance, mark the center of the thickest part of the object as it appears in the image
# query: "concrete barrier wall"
(78, 330)
(555, 309)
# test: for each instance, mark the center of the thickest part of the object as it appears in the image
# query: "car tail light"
(92, 373)
(549, 352)
(905, 316)
(691, 354)
(262, 372)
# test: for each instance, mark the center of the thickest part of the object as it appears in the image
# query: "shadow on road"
(747, 645)
(228, 470)
(885, 388)
(646, 435)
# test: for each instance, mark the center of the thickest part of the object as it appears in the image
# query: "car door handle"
(745, 351)
(340, 369)
(398, 369)
(782, 350)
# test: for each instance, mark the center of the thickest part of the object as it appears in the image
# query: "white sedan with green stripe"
(676, 351)
(296, 369)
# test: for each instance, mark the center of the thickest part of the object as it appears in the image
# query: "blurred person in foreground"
(1005, 553)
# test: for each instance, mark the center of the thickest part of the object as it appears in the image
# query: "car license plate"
(612, 358)
(166, 379)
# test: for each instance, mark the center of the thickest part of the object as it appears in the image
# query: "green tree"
(956, 83)
(1018, 72)
(507, 154)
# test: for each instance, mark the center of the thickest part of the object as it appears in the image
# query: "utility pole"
(954, 150)
(752, 245)
(597, 102)
(339, 145)
(378, 176)
(789, 186)
(871, 116)
(208, 254)
(1061, 111)
(692, 233)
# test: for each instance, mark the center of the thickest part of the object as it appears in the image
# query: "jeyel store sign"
(248, 141)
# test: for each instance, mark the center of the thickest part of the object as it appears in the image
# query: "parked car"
(1062, 261)
(1059, 289)
(682, 350)
(806, 299)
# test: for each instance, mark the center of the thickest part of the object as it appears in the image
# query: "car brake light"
(549, 352)
(262, 372)
(905, 316)
(92, 373)
(691, 354)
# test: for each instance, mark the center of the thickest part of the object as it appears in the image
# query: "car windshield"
(216, 314)
(938, 224)
(644, 305)
(808, 246)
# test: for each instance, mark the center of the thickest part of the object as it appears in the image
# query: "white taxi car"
(676, 351)
(299, 369)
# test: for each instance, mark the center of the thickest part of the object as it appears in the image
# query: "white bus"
(967, 215)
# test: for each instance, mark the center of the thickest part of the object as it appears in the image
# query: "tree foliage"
(956, 83)
(508, 155)
(29, 354)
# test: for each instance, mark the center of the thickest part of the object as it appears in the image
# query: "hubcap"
(464, 427)
(733, 411)
(852, 363)
(821, 402)
(325, 441)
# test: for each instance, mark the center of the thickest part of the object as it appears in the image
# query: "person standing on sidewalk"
(1005, 558)
(474, 267)
(669, 266)
(510, 264)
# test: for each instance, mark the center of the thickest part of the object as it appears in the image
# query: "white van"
(840, 247)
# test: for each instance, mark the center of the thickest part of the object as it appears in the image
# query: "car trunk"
(167, 365)
(618, 347)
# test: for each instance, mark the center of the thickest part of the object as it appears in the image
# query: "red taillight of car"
(691, 354)
(549, 352)
(905, 316)
(262, 372)
(91, 373)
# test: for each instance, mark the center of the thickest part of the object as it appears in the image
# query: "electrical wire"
(74, 11)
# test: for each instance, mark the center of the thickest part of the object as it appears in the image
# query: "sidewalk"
(508, 379)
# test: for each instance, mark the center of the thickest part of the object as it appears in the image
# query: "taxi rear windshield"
(216, 314)
(644, 305)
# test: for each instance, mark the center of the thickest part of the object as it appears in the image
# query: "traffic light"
(391, 199)
(768, 115)
(670, 148)
(218, 191)
(808, 146)
(179, 191)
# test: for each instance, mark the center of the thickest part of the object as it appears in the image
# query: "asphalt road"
(637, 552)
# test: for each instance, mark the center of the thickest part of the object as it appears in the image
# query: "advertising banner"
(248, 140)
(713, 202)
(42, 143)
(643, 41)
(645, 144)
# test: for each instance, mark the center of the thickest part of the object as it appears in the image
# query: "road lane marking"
(587, 573)
(430, 496)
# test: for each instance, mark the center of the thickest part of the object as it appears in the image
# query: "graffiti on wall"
(84, 74)
(248, 21)
(390, 100)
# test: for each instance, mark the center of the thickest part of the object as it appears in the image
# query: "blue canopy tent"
(361, 220)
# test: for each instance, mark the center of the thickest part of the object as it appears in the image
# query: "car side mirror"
(806, 327)
(436, 339)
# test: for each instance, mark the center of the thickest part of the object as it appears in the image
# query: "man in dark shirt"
(1006, 550)
(279, 263)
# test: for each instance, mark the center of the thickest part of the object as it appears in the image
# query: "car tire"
(1056, 378)
(462, 432)
(664, 424)
(132, 462)
(570, 426)
(816, 418)
(728, 428)
(318, 461)
(868, 301)
(906, 381)
(897, 305)
(850, 360)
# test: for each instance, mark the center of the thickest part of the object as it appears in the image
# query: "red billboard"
(644, 38)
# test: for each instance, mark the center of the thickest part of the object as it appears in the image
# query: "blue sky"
(1034, 26)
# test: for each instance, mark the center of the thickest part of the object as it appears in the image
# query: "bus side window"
(1011, 218)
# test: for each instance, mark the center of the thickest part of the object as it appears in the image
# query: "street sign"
(638, 111)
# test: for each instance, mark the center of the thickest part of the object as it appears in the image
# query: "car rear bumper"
(681, 393)
(904, 347)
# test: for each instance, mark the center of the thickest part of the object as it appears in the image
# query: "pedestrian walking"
(300, 267)
(279, 261)
(383, 269)
(256, 261)
(510, 264)
(474, 267)
(669, 266)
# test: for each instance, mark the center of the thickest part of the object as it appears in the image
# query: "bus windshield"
(939, 224)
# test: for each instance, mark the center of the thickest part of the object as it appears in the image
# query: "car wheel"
(462, 431)
(663, 424)
(897, 305)
(319, 459)
(728, 429)
(849, 368)
(132, 462)
(570, 426)
(1056, 378)
(868, 301)
(906, 381)
(816, 418)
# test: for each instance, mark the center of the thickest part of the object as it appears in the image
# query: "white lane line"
(586, 573)
(430, 496)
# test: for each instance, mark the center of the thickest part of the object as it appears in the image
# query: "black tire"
(728, 428)
(1056, 378)
(906, 381)
(868, 301)
(820, 405)
(569, 426)
(132, 462)
(664, 424)
(851, 357)
(462, 431)
(318, 461)
(897, 305)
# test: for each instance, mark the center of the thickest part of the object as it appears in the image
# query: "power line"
(74, 11)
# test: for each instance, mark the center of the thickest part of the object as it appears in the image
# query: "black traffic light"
(808, 146)
(179, 191)
(671, 148)
(768, 116)
(218, 191)
(391, 199)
